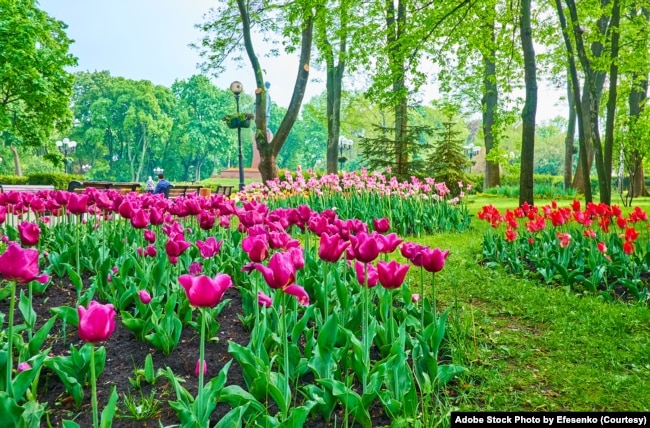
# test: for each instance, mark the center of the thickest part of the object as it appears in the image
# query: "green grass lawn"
(528, 347)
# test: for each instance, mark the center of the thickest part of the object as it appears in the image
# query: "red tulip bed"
(593, 249)
(206, 312)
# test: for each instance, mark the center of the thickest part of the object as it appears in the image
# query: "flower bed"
(413, 208)
(323, 338)
(596, 249)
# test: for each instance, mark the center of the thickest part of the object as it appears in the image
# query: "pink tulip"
(78, 203)
(96, 323)
(29, 233)
(198, 367)
(176, 248)
(382, 225)
(415, 297)
(203, 291)
(433, 260)
(331, 247)
(209, 248)
(391, 274)
(145, 297)
(206, 220)
(150, 251)
(297, 257)
(256, 247)
(140, 219)
(388, 243)
(281, 271)
(373, 278)
(264, 300)
(157, 216)
(126, 209)
(23, 366)
(365, 247)
(298, 292)
(150, 236)
(195, 269)
(21, 264)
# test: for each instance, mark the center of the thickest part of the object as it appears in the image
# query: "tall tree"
(35, 88)
(231, 24)
(530, 107)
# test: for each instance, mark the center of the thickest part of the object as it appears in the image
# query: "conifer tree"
(448, 162)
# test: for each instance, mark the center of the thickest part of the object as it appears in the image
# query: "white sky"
(149, 40)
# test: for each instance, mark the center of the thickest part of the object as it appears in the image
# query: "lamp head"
(236, 87)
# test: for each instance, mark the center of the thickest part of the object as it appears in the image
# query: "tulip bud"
(145, 297)
(198, 365)
(23, 366)
(415, 297)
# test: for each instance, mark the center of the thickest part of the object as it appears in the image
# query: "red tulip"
(281, 271)
(21, 264)
(29, 233)
(96, 323)
(203, 291)
(331, 247)
(145, 297)
(391, 274)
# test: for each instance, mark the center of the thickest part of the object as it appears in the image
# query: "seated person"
(162, 186)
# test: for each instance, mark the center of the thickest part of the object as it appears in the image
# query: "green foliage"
(13, 179)
(448, 163)
(59, 180)
(381, 152)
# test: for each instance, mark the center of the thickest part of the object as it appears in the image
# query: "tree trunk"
(526, 193)
(575, 85)
(489, 103)
(606, 196)
(269, 150)
(569, 140)
(636, 102)
(334, 86)
(17, 166)
(396, 23)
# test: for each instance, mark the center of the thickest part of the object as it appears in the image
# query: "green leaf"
(233, 418)
(41, 336)
(109, 411)
(26, 309)
(10, 412)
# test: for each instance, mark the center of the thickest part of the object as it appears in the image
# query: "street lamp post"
(85, 168)
(345, 145)
(158, 170)
(66, 147)
(237, 88)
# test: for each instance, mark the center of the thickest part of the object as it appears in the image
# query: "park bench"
(177, 190)
(224, 190)
(122, 187)
(25, 187)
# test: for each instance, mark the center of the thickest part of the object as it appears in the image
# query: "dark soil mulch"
(124, 353)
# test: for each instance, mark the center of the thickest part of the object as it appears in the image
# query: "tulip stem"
(366, 344)
(422, 297)
(78, 260)
(433, 298)
(201, 364)
(93, 384)
(285, 343)
(325, 292)
(10, 337)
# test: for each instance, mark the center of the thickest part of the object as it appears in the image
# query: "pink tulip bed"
(592, 249)
(136, 310)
